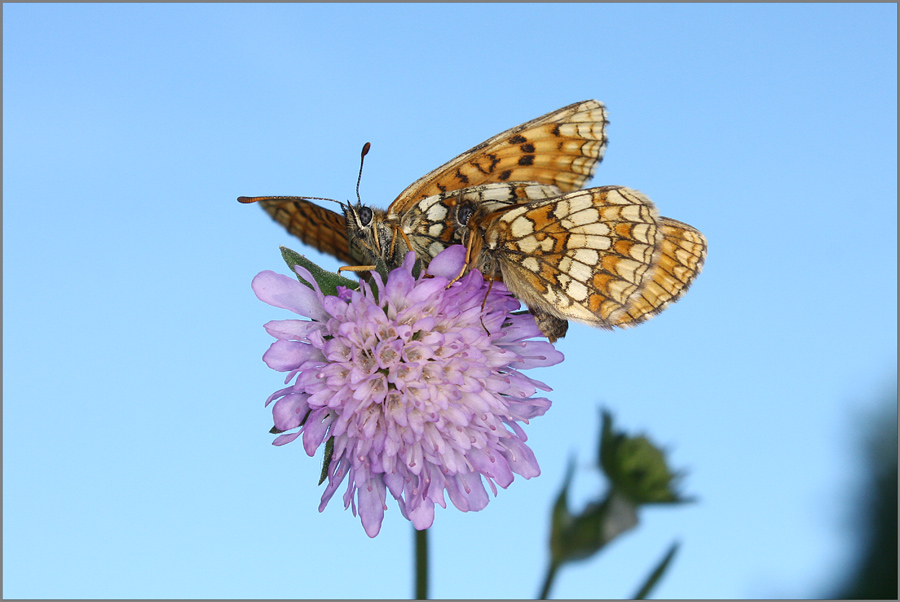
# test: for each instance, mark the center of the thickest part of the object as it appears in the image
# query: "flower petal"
(287, 293)
(371, 505)
(448, 263)
(294, 330)
(422, 516)
(289, 411)
(289, 355)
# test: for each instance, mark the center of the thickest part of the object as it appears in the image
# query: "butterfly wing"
(601, 256)
(681, 258)
(561, 148)
(314, 225)
(434, 223)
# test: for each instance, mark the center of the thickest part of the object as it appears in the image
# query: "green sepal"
(417, 268)
(326, 461)
(637, 468)
(327, 281)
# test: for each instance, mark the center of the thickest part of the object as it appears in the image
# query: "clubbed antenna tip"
(362, 157)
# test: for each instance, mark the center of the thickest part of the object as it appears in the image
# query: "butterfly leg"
(466, 263)
(484, 302)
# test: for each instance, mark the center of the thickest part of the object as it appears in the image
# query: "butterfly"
(541, 158)
(601, 256)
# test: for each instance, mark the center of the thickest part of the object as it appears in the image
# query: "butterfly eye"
(365, 216)
(464, 213)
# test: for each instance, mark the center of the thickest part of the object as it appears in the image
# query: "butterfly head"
(371, 238)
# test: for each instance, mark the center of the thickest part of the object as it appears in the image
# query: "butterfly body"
(431, 225)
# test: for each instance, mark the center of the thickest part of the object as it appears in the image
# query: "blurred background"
(137, 461)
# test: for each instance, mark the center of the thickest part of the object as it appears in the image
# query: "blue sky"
(136, 457)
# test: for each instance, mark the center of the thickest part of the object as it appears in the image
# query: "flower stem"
(421, 564)
(548, 581)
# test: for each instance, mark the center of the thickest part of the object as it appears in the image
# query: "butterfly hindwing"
(602, 256)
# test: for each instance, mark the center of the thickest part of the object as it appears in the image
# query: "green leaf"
(657, 574)
(574, 536)
(326, 461)
(327, 281)
(561, 519)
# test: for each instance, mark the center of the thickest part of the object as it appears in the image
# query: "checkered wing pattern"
(601, 256)
(431, 225)
(681, 257)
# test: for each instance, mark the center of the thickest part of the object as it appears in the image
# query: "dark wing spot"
(494, 160)
(441, 187)
(555, 130)
(526, 160)
(527, 148)
(462, 177)
(518, 139)
(504, 175)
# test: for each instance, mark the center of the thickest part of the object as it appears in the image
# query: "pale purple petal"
(287, 293)
(538, 354)
(371, 505)
(294, 330)
(285, 439)
(448, 262)
(289, 355)
(422, 517)
(289, 411)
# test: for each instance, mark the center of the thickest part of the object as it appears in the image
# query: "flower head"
(418, 385)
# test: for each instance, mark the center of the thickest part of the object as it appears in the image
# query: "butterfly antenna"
(362, 158)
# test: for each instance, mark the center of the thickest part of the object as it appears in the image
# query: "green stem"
(421, 564)
(548, 581)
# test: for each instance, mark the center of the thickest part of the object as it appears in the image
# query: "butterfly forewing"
(561, 148)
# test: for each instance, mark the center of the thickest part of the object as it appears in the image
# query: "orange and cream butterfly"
(542, 158)
(600, 256)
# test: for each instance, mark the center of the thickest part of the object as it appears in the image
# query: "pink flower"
(420, 388)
